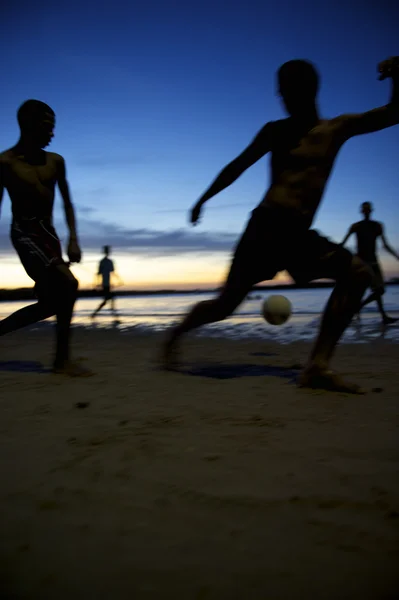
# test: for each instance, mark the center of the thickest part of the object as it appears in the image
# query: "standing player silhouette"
(367, 232)
(303, 149)
(105, 270)
(30, 175)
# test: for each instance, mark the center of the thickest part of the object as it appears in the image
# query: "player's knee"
(74, 284)
(67, 287)
(215, 308)
(224, 308)
(222, 312)
(65, 277)
(48, 306)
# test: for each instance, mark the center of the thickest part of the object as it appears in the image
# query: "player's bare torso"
(30, 182)
(367, 233)
(301, 163)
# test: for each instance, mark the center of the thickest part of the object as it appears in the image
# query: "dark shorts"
(274, 241)
(38, 247)
(377, 282)
(107, 292)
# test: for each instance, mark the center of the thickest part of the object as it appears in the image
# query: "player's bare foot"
(324, 379)
(72, 369)
(389, 320)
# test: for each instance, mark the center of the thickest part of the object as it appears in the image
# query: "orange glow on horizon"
(152, 273)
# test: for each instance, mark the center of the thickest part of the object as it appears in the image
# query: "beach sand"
(221, 482)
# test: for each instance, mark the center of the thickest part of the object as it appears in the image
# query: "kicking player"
(303, 149)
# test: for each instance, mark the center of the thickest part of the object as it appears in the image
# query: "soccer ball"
(276, 309)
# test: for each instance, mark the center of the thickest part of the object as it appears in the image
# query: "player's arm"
(387, 247)
(116, 278)
(98, 275)
(350, 231)
(259, 146)
(74, 251)
(378, 118)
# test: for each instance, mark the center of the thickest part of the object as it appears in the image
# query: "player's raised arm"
(378, 118)
(350, 231)
(74, 251)
(387, 247)
(259, 146)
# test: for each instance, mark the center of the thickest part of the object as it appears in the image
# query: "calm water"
(157, 313)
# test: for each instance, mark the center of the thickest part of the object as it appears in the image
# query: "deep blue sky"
(152, 100)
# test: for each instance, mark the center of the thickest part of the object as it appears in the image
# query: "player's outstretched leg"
(103, 303)
(377, 297)
(342, 305)
(26, 316)
(203, 313)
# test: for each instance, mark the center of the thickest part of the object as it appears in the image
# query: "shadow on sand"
(23, 366)
(233, 371)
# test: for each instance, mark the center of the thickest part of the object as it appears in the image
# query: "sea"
(156, 313)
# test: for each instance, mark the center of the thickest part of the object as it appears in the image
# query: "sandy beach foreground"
(221, 482)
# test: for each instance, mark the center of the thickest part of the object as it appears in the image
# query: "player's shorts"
(377, 282)
(38, 247)
(275, 240)
(107, 292)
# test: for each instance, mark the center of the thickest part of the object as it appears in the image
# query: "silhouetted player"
(105, 269)
(277, 237)
(30, 174)
(367, 232)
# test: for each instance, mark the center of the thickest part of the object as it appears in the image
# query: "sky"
(153, 99)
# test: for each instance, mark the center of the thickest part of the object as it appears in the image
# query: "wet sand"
(224, 481)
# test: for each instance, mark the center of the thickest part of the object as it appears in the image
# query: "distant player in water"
(367, 232)
(30, 174)
(303, 149)
(105, 270)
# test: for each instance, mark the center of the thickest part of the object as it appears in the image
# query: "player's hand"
(196, 213)
(74, 252)
(389, 68)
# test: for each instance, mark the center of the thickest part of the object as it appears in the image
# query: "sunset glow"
(183, 272)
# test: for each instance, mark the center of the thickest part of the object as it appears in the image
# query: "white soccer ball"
(276, 309)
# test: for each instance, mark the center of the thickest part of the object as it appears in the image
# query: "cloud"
(95, 233)
(86, 210)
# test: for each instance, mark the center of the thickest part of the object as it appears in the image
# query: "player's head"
(298, 84)
(107, 250)
(36, 121)
(366, 208)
